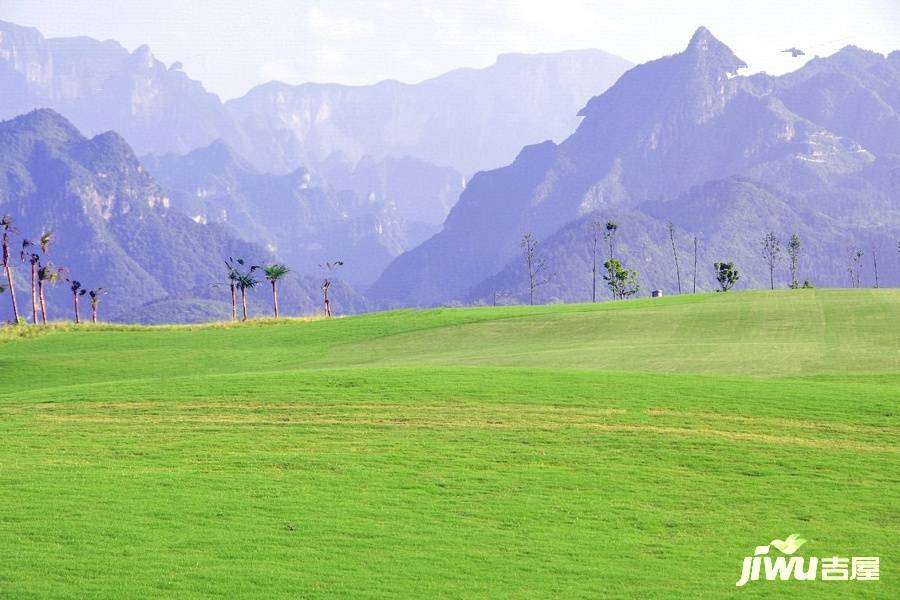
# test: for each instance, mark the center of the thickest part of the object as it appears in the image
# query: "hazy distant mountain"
(422, 193)
(295, 216)
(469, 119)
(100, 86)
(854, 93)
(114, 227)
(646, 144)
(685, 139)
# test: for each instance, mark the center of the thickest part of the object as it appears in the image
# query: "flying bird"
(795, 52)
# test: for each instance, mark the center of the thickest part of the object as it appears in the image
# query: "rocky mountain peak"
(143, 57)
(47, 124)
(708, 53)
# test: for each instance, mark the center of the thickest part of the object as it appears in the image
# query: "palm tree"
(47, 274)
(233, 267)
(6, 225)
(77, 292)
(35, 259)
(275, 273)
(45, 240)
(246, 281)
(95, 302)
(326, 285)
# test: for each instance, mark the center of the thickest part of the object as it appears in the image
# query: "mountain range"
(301, 218)
(313, 173)
(686, 139)
(468, 119)
(114, 227)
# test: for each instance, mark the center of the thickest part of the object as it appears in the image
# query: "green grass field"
(637, 449)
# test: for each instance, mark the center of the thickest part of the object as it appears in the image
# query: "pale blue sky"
(231, 46)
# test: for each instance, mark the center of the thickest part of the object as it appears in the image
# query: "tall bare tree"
(596, 234)
(695, 265)
(875, 261)
(854, 266)
(794, 259)
(609, 235)
(675, 254)
(535, 265)
(329, 268)
(6, 225)
(771, 251)
(95, 296)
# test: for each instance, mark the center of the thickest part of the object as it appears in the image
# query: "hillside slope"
(114, 227)
(705, 333)
(470, 452)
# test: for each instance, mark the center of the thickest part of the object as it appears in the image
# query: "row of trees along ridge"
(43, 273)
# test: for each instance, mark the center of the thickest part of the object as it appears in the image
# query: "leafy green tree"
(622, 282)
(609, 235)
(794, 259)
(95, 296)
(6, 226)
(47, 275)
(275, 273)
(771, 251)
(77, 291)
(727, 275)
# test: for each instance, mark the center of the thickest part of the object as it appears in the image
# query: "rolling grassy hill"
(637, 449)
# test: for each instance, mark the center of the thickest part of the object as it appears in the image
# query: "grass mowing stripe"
(636, 449)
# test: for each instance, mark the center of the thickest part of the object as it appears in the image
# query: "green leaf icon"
(790, 544)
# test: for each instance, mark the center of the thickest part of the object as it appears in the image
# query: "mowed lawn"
(636, 449)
